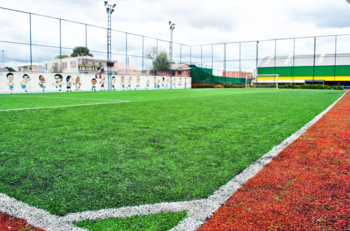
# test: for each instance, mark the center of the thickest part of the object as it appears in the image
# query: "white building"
(80, 64)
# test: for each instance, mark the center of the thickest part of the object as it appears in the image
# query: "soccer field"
(74, 152)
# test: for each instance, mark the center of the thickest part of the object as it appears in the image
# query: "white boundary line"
(198, 211)
(78, 105)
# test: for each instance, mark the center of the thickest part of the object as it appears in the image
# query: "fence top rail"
(66, 20)
(267, 40)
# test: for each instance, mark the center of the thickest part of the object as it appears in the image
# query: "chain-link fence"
(42, 43)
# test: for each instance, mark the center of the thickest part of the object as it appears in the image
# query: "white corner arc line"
(78, 105)
(198, 211)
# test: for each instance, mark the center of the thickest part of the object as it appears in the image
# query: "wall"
(50, 85)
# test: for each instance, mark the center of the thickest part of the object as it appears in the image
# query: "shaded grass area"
(163, 146)
(153, 222)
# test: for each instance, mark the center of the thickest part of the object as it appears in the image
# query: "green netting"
(205, 75)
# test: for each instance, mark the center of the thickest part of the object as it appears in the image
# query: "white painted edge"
(78, 105)
(198, 211)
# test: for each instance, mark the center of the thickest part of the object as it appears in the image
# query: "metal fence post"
(126, 53)
(314, 64)
(335, 60)
(257, 63)
(30, 40)
(224, 63)
(212, 64)
(60, 46)
(240, 64)
(143, 51)
(293, 61)
(86, 44)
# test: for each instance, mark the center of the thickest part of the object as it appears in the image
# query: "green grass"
(163, 146)
(153, 222)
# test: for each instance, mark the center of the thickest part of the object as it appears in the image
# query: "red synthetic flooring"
(306, 187)
(9, 223)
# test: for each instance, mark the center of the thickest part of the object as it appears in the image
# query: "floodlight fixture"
(169, 22)
(114, 5)
(106, 3)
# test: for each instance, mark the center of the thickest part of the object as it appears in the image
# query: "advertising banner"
(19, 82)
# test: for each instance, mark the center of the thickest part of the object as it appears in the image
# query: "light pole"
(172, 27)
(110, 10)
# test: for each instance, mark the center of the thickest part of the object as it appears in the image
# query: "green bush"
(207, 85)
(219, 86)
(338, 87)
(229, 85)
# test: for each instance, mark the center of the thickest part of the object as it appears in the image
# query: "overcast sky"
(197, 22)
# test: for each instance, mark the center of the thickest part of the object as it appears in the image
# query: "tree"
(151, 53)
(10, 69)
(62, 56)
(81, 51)
(161, 63)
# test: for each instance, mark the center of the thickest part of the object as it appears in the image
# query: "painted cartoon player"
(122, 82)
(185, 82)
(155, 82)
(113, 82)
(10, 79)
(137, 82)
(59, 79)
(42, 82)
(158, 85)
(167, 83)
(25, 81)
(163, 82)
(180, 83)
(102, 82)
(174, 82)
(129, 82)
(147, 83)
(78, 83)
(69, 83)
(93, 82)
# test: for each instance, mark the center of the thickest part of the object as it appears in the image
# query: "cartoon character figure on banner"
(174, 82)
(137, 82)
(147, 83)
(158, 85)
(129, 83)
(69, 83)
(167, 83)
(25, 81)
(163, 82)
(180, 84)
(122, 82)
(102, 82)
(185, 82)
(155, 82)
(59, 79)
(93, 82)
(78, 83)
(10, 79)
(113, 82)
(42, 82)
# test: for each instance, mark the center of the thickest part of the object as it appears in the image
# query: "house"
(80, 64)
(176, 70)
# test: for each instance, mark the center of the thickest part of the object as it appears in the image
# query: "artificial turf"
(162, 146)
(152, 222)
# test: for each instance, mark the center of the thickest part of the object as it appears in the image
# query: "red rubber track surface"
(9, 223)
(306, 187)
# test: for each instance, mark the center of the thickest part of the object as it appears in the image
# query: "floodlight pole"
(110, 10)
(172, 28)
